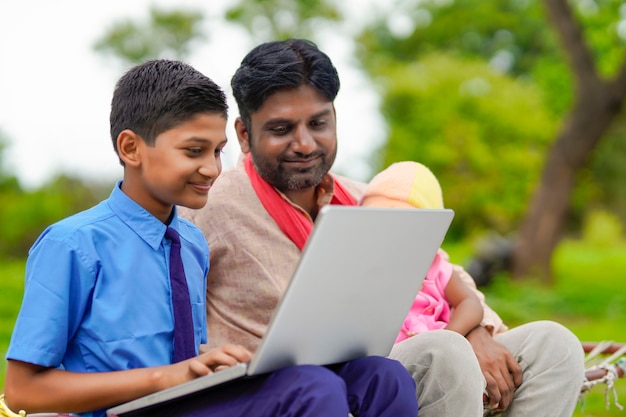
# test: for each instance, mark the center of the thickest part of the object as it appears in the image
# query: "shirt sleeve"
(56, 293)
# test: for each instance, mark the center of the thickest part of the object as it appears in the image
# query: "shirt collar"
(325, 190)
(138, 219)
(324, 194)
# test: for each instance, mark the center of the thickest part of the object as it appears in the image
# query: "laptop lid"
(348, 297)
(355, 282)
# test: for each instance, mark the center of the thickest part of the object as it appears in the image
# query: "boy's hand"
(218, 358)
(208, 361)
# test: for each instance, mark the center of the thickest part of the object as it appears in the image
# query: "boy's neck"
(141, 196)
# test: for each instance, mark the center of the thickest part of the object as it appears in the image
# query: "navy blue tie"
(184, 344)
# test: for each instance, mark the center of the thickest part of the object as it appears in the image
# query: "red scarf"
(291, 221)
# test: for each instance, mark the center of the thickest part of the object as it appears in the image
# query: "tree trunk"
(596, 104)
(542, 228)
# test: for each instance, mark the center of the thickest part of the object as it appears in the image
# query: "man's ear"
(128, 147)
(242, 135)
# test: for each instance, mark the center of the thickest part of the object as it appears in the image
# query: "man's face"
(292, 138)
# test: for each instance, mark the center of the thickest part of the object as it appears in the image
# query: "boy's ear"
(242, 135)
(128, 147)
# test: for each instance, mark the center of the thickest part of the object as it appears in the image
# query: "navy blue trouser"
(367, 387)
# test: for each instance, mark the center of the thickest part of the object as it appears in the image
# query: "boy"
(101, 323)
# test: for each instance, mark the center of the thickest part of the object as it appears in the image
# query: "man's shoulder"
(231, 189)
(354, 187)
(231, 197)
(231, 180)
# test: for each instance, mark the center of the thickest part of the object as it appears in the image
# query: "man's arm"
(502, 372)
(34, 388)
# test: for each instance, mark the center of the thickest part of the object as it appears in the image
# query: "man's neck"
(307, 199)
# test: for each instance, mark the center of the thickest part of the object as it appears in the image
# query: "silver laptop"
(356, 280)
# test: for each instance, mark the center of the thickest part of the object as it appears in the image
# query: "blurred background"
(515, 105)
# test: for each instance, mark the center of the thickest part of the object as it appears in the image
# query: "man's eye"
(318, 124)
(280, 130)
(219, 151)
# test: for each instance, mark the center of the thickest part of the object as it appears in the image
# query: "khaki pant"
(450, 383)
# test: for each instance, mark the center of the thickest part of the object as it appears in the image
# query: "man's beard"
(293, 179)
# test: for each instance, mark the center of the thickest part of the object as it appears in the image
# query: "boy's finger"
(198, 368)
(238, 352)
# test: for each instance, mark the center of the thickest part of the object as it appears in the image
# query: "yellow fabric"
(6, 412)
(405, 184)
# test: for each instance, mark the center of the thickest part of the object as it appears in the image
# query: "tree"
(268, 20)
(8, 183)
(597, 102)
(32, 211)
(514, 38)
(165, 34)
(173, 33)
(461, 118)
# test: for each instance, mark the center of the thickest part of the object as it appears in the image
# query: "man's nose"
(303, 141)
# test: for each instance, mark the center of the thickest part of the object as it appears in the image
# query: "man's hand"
(502, 372)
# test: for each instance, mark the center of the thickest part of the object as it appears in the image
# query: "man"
(261, 212)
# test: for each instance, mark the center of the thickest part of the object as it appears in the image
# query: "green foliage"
(490, 152)
(268, 20)
(3, 146)
(552, 77)
(601, 20)
(588, 294)
(166, 34)
(29, 213)
(603, 229)
(588, 299)
(8, 182)
(608, 172)
(589, 287)
(510, 34)
(446, 119)
(11, 290)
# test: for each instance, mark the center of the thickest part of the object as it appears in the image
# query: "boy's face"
(181, 166)
(292, 138)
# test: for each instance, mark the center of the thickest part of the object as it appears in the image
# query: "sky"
(55, 90)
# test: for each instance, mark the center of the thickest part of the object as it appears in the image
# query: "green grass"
(11, 289)
(589, 297)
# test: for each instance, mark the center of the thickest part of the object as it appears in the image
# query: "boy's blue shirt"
(97, 293)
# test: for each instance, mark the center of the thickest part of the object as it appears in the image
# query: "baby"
(444, 301)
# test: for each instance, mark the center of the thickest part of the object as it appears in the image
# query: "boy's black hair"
(280, 65)
(158, 95)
